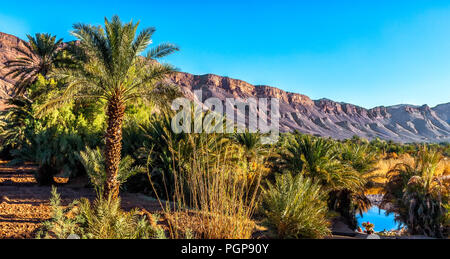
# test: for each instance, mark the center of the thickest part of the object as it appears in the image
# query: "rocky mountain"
(401, 123)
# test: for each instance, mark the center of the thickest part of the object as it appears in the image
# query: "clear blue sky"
(369, 53)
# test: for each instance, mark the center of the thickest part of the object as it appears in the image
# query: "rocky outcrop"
(401, 123)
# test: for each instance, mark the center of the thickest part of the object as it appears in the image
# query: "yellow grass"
(211, 200)
(386, 164)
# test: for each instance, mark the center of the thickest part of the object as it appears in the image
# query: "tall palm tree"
(38, 56)
(113, 71)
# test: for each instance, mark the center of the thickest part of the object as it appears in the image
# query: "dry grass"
(212, 200)
(385, 165)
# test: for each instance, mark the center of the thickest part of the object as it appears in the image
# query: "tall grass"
(212, 197)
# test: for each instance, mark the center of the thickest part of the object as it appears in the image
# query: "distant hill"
(401, 123)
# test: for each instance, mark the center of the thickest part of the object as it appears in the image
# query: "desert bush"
(101, 219)
(296, 207)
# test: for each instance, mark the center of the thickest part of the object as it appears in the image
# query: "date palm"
(38, 56)
(317, 158)
(251, 144)
(363, 160)
(418, 193)
(112, 70)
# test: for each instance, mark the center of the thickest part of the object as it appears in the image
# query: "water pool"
(379, 218)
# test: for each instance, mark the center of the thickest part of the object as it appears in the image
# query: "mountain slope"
(443, 111)
(402, 123)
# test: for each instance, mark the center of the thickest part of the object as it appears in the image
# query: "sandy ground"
(24, 205)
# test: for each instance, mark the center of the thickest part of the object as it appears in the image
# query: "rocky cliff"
(402, 123)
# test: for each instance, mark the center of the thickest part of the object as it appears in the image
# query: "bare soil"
(24, 205)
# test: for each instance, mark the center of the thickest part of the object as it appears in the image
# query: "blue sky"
(368, 53)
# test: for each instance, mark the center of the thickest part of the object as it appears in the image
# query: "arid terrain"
(24, 205)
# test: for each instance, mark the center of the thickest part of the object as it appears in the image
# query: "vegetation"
(40, 55)
(102, 219)
(419, 194)
(112, 71)
(295, 207)
(97, 108)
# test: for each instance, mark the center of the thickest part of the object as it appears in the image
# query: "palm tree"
(362, 159)
(318, 159)
(251, 144)
(417, 192)
(39, 56)
(113, 71)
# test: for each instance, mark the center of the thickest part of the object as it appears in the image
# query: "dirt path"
(24, 205)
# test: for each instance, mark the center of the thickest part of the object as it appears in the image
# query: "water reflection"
(379, 218)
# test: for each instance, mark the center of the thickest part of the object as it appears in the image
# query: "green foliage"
(94, 164)
(295, 207)
(59, 226)
(54, 152)
(251, 143)
(362, 158)
(52, 141)
(15, 124)
(318, 158)
(109, 67)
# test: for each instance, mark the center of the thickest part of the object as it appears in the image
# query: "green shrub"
(54, 152)
(295, 207)
(101, 219)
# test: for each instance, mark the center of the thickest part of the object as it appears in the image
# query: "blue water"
(379, 218)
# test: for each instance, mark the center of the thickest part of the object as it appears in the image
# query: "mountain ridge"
(323, 117)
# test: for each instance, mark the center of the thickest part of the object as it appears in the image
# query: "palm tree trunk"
(113, 149)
